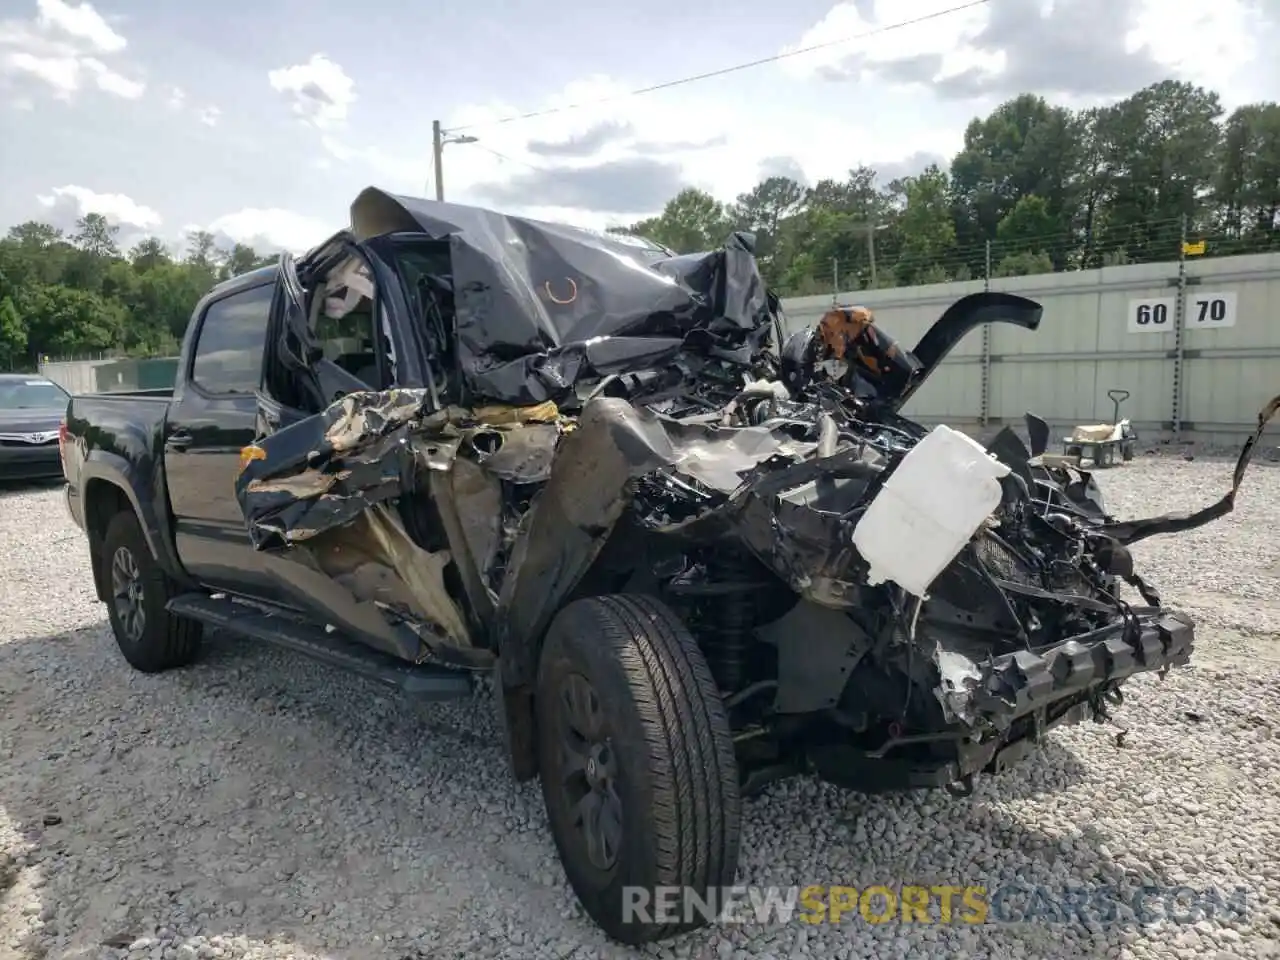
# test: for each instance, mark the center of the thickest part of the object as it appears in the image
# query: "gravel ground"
(259, 805)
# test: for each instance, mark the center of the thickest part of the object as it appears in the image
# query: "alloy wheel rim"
(127, 596)
(588, 772)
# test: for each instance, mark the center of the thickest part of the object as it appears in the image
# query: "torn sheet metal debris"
(1131, 531)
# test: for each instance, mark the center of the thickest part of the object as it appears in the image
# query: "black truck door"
(322, 343)
(212, 417)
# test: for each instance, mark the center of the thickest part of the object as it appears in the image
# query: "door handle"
(178, 441)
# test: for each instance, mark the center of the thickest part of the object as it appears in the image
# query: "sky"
(260, 121)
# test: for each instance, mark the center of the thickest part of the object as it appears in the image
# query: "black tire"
(669, 756)
(161, 640)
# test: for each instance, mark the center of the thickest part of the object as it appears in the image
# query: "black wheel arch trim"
(114, 471)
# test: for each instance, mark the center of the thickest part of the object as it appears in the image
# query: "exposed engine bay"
(888, 605)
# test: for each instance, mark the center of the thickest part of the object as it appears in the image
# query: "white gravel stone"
(258, 805)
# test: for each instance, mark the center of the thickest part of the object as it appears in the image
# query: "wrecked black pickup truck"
(692, 553)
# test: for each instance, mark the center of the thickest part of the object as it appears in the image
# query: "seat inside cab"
(343, 321)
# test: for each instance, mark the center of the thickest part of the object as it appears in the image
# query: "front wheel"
(637, 766)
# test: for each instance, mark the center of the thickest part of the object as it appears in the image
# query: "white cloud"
(65, 48)
(61, 73)
(112, 82)
(82, 22)
(948, 37)
(1216, 45)
(715, 141)
(209, 115)
(320, 90)
(702, 134)
(116, 207)
(272, 227)
(391, 170)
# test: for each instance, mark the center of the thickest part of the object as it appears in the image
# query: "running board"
(421, 682)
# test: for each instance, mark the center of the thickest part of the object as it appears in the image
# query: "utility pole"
(872, 228)
(438, 139)
(437, 153)
(871, 251)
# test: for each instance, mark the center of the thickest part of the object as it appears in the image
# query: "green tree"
(35, 234)
(1025, 147)
(1247, 186)
(82, 297)
(692, 220)
(240, 260)
(762, 210)
(1023, 264)
(36, 253)
(1161, 150)
(149, 253)
(1028, 226)
(13, 335)
(928, 232)
(94, 235)
(62, 320)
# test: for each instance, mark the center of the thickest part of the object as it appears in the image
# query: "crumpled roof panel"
(540, 305)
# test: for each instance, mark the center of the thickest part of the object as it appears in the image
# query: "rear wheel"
(637, 765)
(150, 637)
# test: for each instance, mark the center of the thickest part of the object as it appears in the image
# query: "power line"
(503, 156)
(668, 84)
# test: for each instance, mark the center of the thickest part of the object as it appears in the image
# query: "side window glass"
(228, 356)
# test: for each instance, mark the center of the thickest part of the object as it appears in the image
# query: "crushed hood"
(540, 306)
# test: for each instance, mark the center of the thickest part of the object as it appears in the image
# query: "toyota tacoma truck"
(692, 551)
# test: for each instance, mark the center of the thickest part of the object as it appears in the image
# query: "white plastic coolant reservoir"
(928, 509)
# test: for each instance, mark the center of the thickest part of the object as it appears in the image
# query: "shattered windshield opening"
(426, 272)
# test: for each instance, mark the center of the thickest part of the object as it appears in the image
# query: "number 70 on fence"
(1204, 310)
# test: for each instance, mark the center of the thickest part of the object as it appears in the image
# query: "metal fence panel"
(1196, 343)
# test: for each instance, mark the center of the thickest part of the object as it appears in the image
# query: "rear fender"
(109, 483)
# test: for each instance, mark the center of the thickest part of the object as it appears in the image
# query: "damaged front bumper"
(1016, 684)
(1014, 701)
